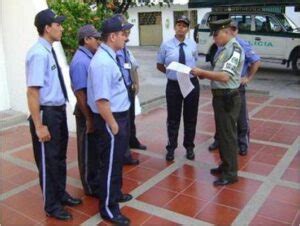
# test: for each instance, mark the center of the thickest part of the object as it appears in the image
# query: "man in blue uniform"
(88, 157)
(109, 102)
(125, 58)
(47, 96)
(251, 65)
(183, 50)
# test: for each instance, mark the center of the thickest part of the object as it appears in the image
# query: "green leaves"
(77, 14)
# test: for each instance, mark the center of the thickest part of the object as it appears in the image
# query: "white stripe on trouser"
(43, 167)
(86, 162)
(111, 155)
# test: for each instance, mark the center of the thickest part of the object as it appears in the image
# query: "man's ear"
(47, 28)
(86, 39)
(112, 37)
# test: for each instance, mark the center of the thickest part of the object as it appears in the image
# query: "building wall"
(4, 94)
(167, 20)
(18, 35)
(294, 16)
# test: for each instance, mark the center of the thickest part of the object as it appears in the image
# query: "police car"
(273, 35)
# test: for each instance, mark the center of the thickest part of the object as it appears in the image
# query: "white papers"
(184, 83)
(183, 77)
(175, 66)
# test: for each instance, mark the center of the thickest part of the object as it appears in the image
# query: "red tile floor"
(268, 191)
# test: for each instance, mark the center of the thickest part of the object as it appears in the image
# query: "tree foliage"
(77, 14)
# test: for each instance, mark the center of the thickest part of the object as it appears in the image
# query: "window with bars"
(150, 18)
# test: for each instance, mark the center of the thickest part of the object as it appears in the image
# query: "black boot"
(170, 155)
(213, 146)
(190, 154)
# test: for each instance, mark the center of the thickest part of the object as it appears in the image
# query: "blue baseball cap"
(115, 23)
(46, 17)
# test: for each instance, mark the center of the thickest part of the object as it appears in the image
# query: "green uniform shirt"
(229, 59)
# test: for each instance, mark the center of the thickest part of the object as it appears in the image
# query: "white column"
(4, 94)
(19, 34)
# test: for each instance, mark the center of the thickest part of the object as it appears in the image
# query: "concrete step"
(9, 118)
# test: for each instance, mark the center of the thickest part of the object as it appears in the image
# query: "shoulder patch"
(232, 63)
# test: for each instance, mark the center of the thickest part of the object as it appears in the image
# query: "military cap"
(218, 25)
(87, 31)
(115, 23)
(183, 19)
(46, 17)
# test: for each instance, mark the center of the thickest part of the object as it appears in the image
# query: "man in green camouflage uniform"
(225, 81)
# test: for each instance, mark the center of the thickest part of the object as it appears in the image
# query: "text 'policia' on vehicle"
(273, 35)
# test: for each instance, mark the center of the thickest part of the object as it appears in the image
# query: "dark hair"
(41, 29)
(104, 37)
(81, 42)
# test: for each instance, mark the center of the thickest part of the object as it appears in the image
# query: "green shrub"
(77, 14)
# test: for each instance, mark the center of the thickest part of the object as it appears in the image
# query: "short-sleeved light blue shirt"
(79, 68)
(105, 81)
(250, 56)
(169, 52)
(124, 59)
(41, 71)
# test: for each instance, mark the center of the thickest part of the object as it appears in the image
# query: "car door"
(268, 39)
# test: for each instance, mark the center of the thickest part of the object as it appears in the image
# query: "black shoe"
(243, 152)
(215, 171)
(190, 154)
(125, 198)
(170, 156)
(60, 215)
(222, 181)
(138, 146)
(118, 220)
(132, 162)
(213, 146)
(71, 201)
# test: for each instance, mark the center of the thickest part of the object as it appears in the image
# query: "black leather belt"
(121, 114)
(55, 108)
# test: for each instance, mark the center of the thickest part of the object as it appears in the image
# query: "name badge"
(127, 65)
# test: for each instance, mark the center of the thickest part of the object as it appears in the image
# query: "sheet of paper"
(175, 66)
(185, 84)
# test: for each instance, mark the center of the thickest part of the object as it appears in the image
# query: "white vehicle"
(273, 35)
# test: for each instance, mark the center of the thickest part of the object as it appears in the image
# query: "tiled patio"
(268, 191)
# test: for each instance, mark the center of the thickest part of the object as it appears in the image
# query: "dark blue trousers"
(88, 156)
(175, 103)
(50, 157)
(112, 149)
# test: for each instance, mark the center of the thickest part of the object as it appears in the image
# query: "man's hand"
(245, 80)
(197, 72)
(90, 125)
(42, 133)
(135, 88)
(114, 128)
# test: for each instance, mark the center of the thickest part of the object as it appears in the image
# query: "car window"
(266, 24)
(286, 22)
(243, 22)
